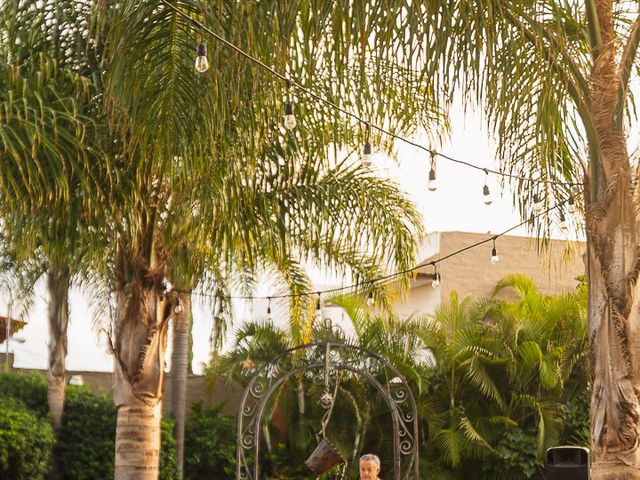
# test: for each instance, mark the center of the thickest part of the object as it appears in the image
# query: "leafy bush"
(86, 417)
(516, 452)
(30, 389)
(210, 444)
(89, 416)
(26, 441)
(168, 461)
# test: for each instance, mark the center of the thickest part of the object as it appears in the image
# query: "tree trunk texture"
(143, 311)
(58, 280)
(614, 291)
(179, 361)
(138, 441)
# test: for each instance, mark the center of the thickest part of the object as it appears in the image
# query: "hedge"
(86, 442)
(26, 442)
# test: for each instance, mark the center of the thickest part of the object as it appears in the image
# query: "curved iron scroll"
(377, 370)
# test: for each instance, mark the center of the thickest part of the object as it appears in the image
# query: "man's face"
(369, 470)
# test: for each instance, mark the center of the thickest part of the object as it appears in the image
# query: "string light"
(370, 300)
(436, 279)
(318, 98)
(435, 283)
(366, 152)
(269, 314)
(318, 306)
(289, 117)
(494, 253)
(433, 185)
(202, 63)
(485, 189)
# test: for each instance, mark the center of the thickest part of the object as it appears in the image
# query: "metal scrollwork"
(322, 364)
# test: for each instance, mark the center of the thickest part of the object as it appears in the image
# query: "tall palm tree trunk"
(143, 311)
(179, 361)
(58, 279)
(614, 289)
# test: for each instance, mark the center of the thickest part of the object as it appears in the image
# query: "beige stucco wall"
(198, 388)
(554, 268)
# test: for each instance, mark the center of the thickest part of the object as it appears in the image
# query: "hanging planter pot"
(324, 458)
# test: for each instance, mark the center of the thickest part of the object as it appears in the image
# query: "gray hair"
(370, 457)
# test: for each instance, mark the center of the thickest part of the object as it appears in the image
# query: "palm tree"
(193, 161)
(501, 367)
(47, 96)
(554, 79)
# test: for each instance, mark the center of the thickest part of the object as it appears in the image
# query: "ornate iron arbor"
(330, 359)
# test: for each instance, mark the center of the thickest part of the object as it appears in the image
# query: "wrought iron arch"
(332, 357)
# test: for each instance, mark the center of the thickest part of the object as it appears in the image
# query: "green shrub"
(86, 442)
(210, 444)
(86, 439)
(29, 388)
(26, 441)
(168, 461)
(516, 455)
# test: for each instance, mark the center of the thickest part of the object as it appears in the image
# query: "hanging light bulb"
(366, 154)
(202, 64)
(433, 184)
(487, 195)
(485, 189)
(563, 221)
(537, 204)
(318, 307)
(494, 253)
(435, 283)
(432, 180)
(289, 117)
(370, 300)
(269, 314)
(367, 150)
(573, 208)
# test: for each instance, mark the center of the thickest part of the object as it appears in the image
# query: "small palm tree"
(502, 365)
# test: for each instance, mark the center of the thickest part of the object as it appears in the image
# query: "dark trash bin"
(568, 463)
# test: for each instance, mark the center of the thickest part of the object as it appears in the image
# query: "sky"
(457, 205)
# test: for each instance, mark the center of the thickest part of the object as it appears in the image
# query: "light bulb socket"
(494, 252)
(485, 190)
(367, 148)
(202, 50)
(288, 108)
(318, 303)
(432, 175)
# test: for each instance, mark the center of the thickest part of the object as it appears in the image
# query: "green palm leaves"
(503, 366)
